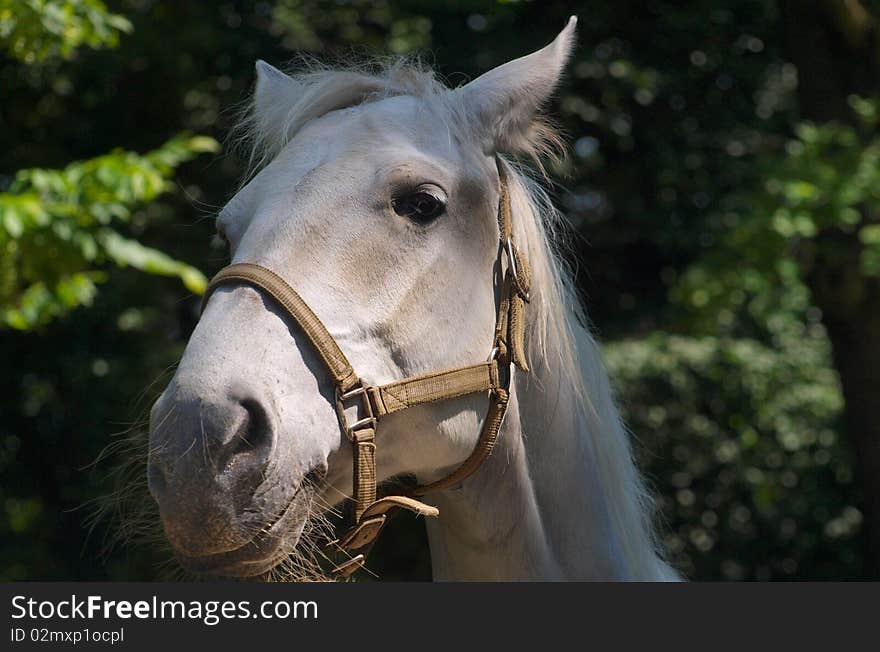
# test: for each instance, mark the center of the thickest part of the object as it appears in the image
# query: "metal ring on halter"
(511, 257)
(369, 420)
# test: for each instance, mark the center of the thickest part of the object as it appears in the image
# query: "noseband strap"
(373, 402)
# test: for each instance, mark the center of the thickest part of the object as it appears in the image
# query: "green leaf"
(203, 144)
(125, 252)
(870, 234)
(65, 221)
(36, 31)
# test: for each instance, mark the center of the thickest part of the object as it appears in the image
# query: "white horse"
(375, 198)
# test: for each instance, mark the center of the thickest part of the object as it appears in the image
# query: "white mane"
(558, 334)
(565, 356)
(319, 88)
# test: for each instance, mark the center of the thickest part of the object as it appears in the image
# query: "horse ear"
(276, 92)
(506, 100)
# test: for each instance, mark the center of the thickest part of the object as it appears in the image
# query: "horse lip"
(262, 552)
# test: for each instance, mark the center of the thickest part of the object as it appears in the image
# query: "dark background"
(722, 186)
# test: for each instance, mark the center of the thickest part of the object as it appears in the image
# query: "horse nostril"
(252, 438)
(260, 425)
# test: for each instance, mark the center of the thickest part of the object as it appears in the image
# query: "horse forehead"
(399, 120)
(403, 111)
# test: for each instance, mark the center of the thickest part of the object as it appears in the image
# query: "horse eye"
(422, 205)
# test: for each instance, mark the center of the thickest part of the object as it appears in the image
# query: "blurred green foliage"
(702, 181)
(56, 226)
(826, 176)
(744, 466)
(35, 30)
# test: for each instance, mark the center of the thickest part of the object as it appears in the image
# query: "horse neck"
(536, 510)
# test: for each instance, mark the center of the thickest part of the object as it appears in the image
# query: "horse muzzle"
(222, 507)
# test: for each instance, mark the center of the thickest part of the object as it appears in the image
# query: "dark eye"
(421, 205)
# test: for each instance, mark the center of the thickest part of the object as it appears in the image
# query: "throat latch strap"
(372, 403)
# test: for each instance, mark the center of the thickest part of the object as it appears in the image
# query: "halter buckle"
(368, 421)
(511, 258)
(510, 248)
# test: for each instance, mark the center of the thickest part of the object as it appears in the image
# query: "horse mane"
(558, 334)
(319, 88)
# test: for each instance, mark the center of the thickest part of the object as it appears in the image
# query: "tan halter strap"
(372, 402)
(276, 287)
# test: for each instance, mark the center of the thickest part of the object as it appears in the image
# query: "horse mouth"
(267, 548)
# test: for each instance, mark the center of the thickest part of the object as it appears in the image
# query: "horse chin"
(267, 550)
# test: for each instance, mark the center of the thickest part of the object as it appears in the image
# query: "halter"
(373, 402)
